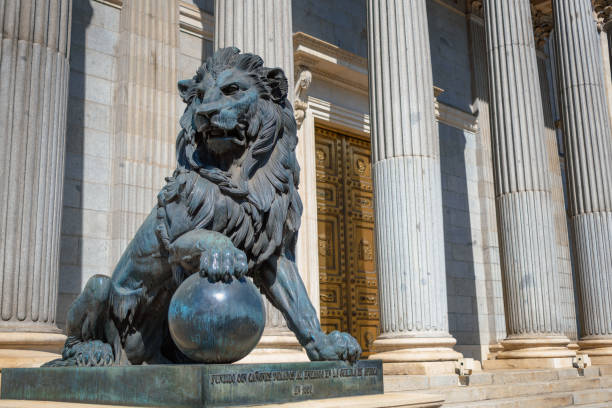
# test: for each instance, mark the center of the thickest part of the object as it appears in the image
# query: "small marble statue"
(231, 209)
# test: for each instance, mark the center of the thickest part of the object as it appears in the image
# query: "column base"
(278, 347)
(527, 363)
(494, 350)
(532, 352)
(599, 350)
(29, 349)
(535, 347)
(416, 355)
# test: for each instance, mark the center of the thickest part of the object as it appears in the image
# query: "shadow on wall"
(70, 274)
(458, 243)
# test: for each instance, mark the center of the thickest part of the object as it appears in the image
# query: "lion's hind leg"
(87, 324)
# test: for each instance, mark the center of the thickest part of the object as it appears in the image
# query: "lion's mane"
(258, 209)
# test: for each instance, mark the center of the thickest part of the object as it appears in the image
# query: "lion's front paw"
(334, 346)
(222, 262)
(210, 253)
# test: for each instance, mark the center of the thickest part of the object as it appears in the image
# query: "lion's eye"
(230, 89)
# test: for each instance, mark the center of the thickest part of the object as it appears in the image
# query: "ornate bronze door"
(345, 214)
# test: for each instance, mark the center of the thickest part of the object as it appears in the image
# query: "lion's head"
(234, 104)
(239, 137)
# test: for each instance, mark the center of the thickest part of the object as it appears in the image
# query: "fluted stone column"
(530, 272)
(603, 10)
(263, 27)
(586, 128)
(34, 68)
(486, 187)
(542, 27)
(564, 262)
(407, 187)
(145, 113)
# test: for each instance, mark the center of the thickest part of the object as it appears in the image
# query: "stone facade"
(109, 184)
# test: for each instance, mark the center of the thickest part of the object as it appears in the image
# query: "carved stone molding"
(475, 8)
(543, 24)
(302, 83)
(194, 21)
(334, 51)
(331, 63)
(113, 3)
(603, 14)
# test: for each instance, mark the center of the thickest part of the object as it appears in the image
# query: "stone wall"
(450, 57)
(193, 50)
(339, 22)
(475, 300)
(86, 223)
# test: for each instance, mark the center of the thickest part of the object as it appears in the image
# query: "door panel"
(345, 210)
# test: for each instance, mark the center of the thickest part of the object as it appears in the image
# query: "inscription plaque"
(220, 385)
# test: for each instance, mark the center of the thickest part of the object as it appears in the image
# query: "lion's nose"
(207, 111)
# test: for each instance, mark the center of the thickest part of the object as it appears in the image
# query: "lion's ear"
(277, 83)
(183, 87)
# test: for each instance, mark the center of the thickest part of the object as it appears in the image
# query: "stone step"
(582, 398)
(493, 392)
(398, 383)
(605, 370)
(523, 376)
(557, 400)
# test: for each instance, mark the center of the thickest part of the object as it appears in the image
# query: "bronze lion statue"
(231, 208)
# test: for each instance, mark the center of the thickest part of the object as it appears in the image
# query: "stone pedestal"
(534, 323)
(34, 69)
(408, 192)
(263, 27)
(196, 385)
(588, 144)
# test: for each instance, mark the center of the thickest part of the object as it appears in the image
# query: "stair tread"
(520, 400)
(517, 400)
(489, 391)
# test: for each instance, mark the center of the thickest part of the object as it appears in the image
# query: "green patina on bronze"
(219, 385)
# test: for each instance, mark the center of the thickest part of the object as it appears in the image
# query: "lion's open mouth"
(216, 136)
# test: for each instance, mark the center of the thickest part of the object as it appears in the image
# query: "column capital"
(603, 14)
(543, 24)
